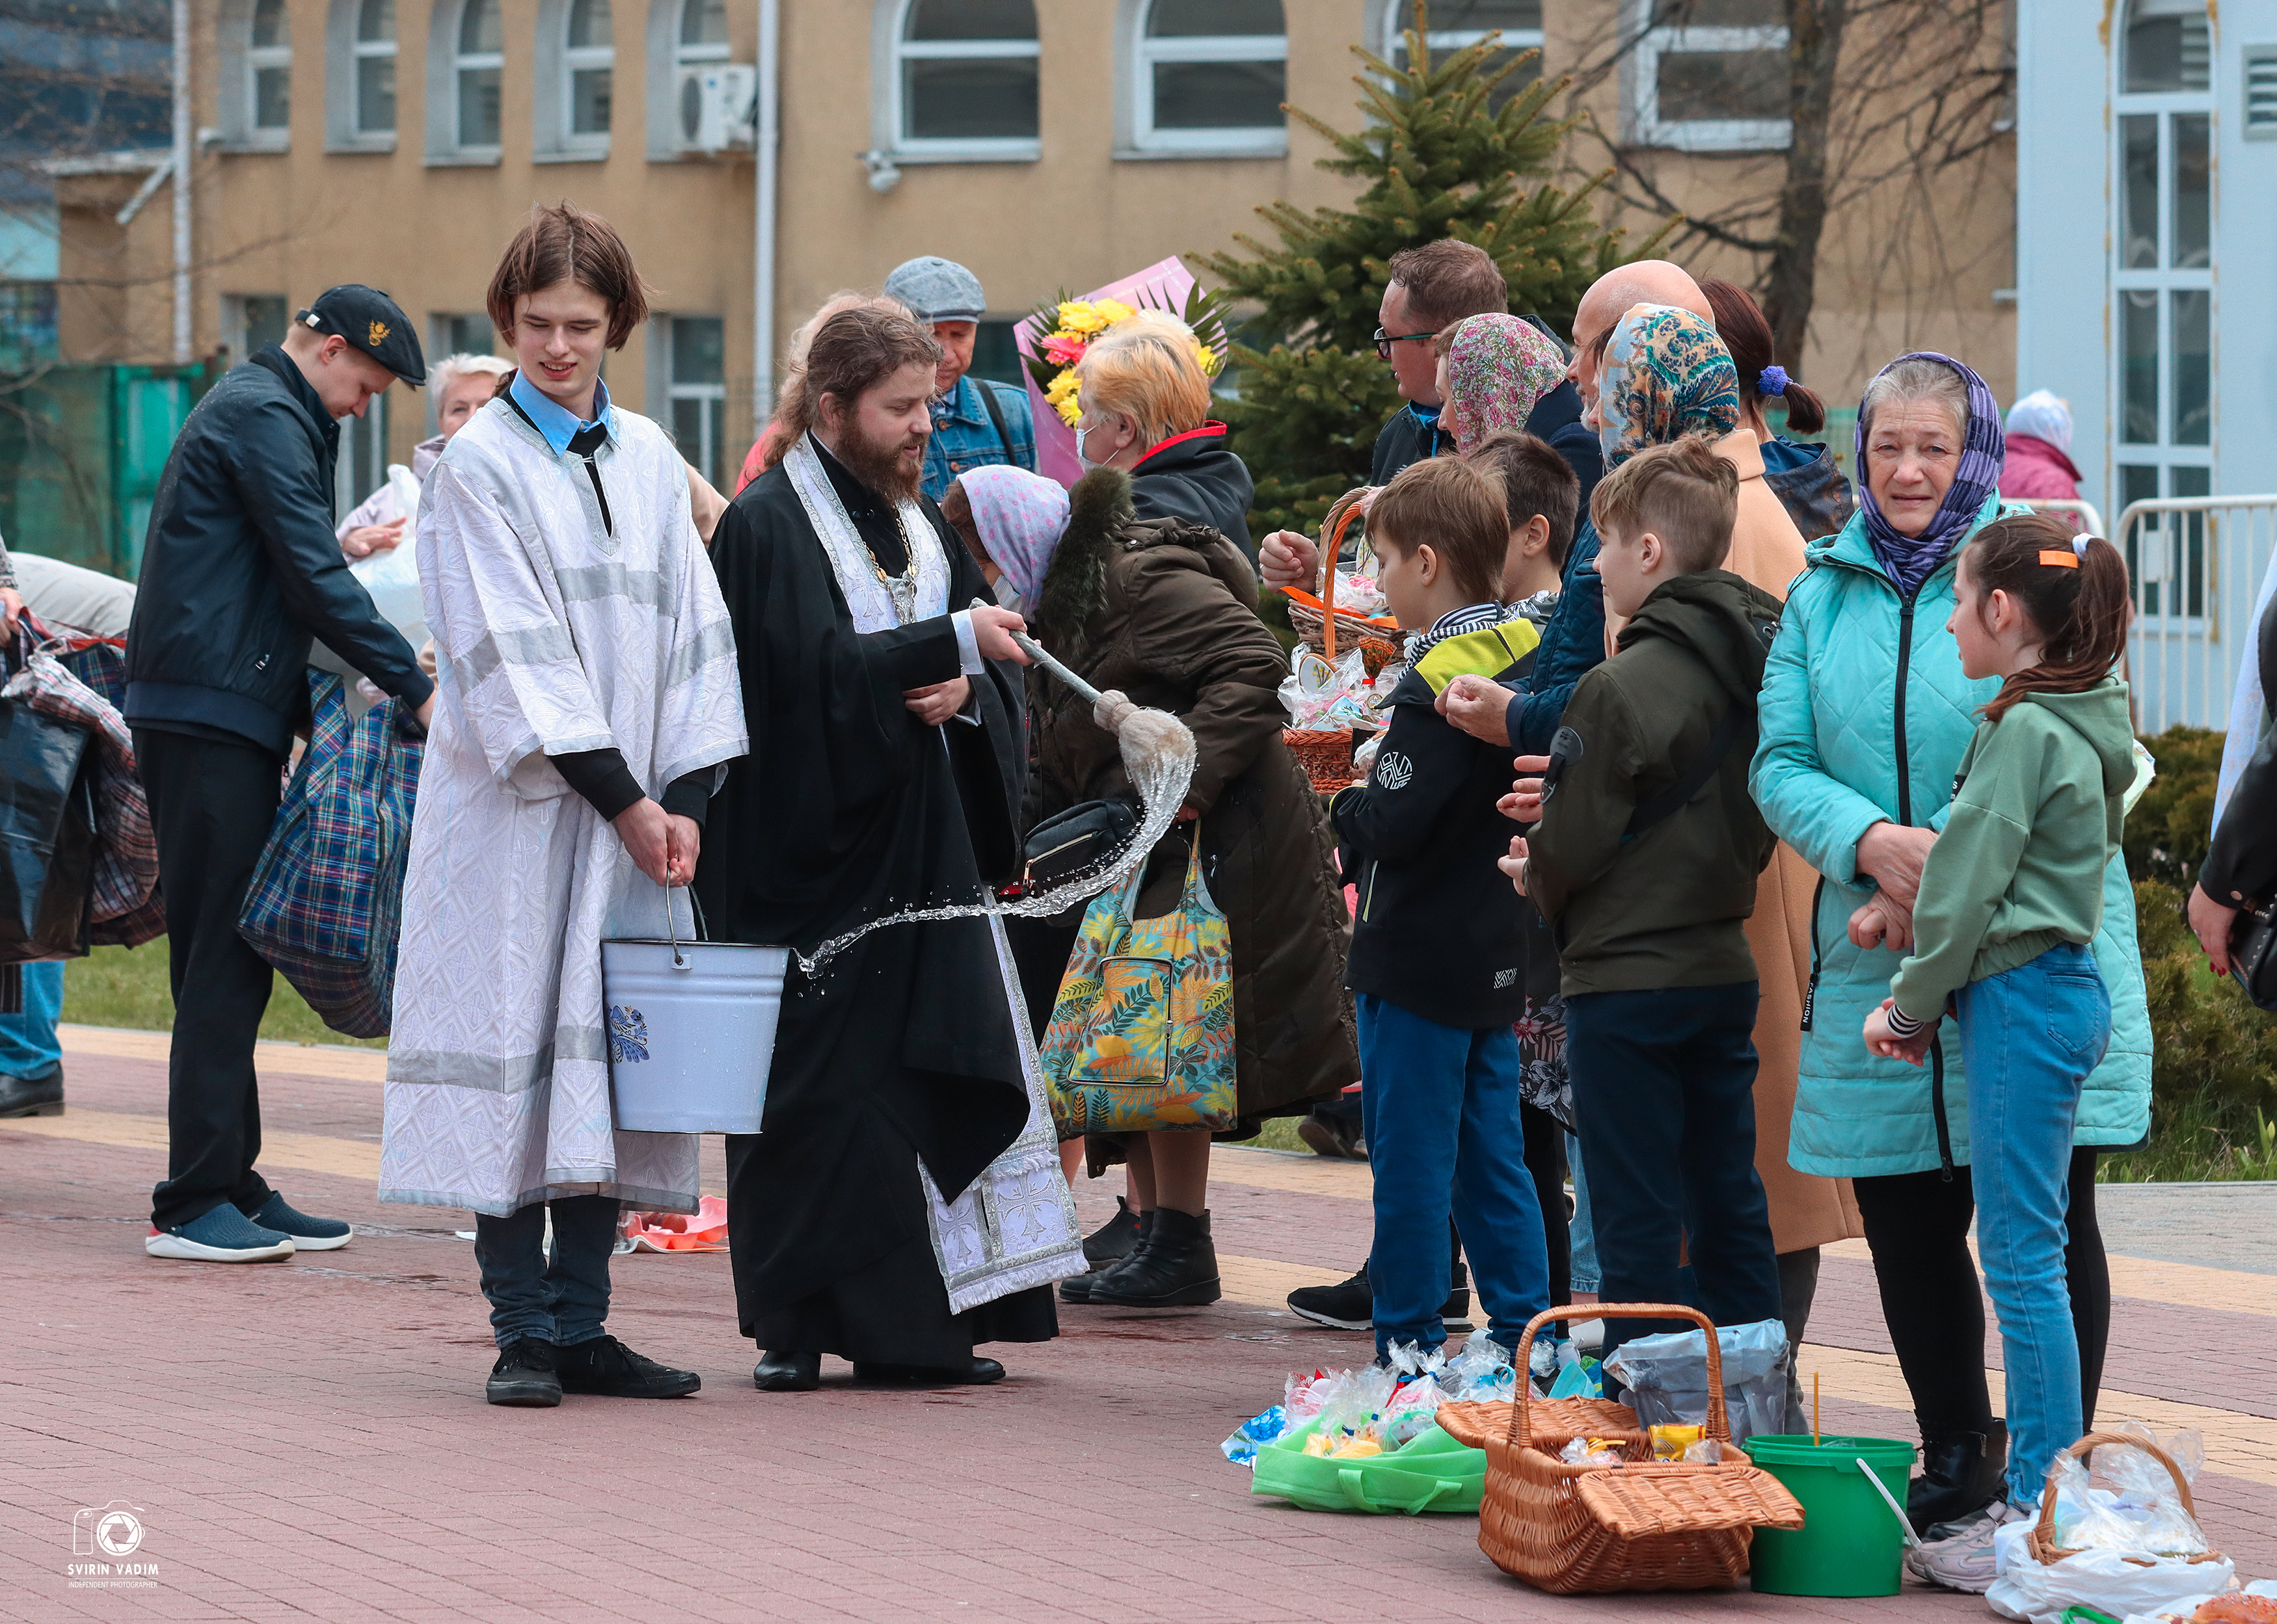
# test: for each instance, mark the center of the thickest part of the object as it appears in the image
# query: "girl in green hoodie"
(2010, 898)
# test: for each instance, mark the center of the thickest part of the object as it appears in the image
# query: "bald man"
(1526, 717)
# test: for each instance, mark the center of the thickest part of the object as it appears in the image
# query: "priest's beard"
(878, 464)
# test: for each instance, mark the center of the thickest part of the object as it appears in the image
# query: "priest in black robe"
(884, 773)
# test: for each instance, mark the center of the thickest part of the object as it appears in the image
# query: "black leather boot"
(1077, 1290)
(1962, 1473)
(1175, 1267)
(787, 1373)
(1114, 1240)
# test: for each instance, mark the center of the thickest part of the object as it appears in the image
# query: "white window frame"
(360, 438)
(889, 50)
(2259, 92)
(665, 391)
(445, 62)
(345, 55)
(1392, 40)
(1648, 128)
(1136, 90)
(559, 63)
(259, 58)
(2164, 281)
(667, 59)
(233, 324)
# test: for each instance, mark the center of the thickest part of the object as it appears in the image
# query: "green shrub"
(2213, 1055)
(2169, 829)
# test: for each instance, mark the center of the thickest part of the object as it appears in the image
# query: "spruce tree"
(1441, 160)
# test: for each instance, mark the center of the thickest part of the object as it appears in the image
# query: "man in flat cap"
(240, 572)
(975, 422)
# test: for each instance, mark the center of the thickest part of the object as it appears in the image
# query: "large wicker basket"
(1318, 622)
(1637, 1526)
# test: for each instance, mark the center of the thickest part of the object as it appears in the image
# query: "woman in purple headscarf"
(1864, 715)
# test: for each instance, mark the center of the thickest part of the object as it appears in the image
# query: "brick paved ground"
(308, 1439)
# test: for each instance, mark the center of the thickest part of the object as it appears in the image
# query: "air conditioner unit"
(717, 103)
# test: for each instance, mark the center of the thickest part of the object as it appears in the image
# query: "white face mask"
(1080, 434)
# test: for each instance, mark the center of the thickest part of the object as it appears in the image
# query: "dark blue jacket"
(241, 569)
(1572, 644)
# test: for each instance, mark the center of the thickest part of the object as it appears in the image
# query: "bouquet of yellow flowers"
(1063, 330)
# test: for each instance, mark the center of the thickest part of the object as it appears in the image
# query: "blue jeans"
(1440, 1106)
(28, 1045)
(1664, 1092)
(564, 1299)
(2029, 1038)
(1585, 1234)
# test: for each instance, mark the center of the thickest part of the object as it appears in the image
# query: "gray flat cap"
(937, 290)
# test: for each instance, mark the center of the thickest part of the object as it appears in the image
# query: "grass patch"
(129, 987)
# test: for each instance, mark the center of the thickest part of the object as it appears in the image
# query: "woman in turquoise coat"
(1864, 716)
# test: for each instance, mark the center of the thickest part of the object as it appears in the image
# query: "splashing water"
(1158, 753)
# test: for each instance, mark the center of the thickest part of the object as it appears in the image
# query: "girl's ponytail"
(2075, 590)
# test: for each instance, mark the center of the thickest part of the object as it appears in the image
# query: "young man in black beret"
(240, 571)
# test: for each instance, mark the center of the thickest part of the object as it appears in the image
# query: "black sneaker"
(607, 1368)
(1350, 1305)
(1336, 1137)
(1114, 1240)
(524, 1376)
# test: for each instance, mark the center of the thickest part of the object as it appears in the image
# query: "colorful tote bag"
(1141, 1036)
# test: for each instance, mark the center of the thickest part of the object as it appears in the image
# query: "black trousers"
(212, 805)
(1545, 1159)
(1917, 1224)
(1664, 1091)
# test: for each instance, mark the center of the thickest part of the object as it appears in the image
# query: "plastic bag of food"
(1591, 1452)
(1667, 1376)
(2124, 1500)
(1481, 1373)
(1319, 697)
(1354, 1398)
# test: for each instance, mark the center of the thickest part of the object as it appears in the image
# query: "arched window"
(1209, 77)
(375, 67)
(589, 62)
(269, 69)
(1457, 23)
(960, 77)
(476, 68)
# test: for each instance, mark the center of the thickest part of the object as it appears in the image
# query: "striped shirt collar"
(1454, 623)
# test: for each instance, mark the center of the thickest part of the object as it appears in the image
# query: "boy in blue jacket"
(1436, 965)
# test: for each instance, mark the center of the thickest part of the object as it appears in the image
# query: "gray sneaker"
(1964, 1560)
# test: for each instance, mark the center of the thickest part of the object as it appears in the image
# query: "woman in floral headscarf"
(1667, 375)
(1495, 373)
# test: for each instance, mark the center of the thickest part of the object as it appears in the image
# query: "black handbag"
(46, 835)
(1081, 838)
(2253, 954)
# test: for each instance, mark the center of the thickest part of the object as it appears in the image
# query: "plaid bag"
(69, 675)
(325, 904)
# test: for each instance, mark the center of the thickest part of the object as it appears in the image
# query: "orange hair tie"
(2062, 560)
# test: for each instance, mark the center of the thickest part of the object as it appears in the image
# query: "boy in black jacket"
(1644, 862)
(1436, 961)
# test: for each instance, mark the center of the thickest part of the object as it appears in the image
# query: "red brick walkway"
(308, 1439)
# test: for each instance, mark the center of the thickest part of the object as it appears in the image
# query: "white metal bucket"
(691, 1028)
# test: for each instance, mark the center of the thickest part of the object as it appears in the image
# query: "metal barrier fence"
(2076, 508)
(2195, 565)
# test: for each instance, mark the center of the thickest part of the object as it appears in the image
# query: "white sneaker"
(1965, 1561)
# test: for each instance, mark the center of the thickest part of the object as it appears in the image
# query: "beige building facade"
(1044, 143)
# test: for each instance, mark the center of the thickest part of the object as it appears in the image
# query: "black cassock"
(901, 1050)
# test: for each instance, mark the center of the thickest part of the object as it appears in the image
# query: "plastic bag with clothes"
(1667, 1377)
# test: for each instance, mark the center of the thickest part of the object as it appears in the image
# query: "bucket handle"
(680, 960)
(1905, 1523)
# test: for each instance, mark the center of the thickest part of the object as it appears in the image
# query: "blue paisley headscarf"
(1667, 375)
(1911, 559)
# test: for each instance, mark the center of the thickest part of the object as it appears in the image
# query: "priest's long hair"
(852, 351)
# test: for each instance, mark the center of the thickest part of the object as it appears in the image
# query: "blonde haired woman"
(1146, 410)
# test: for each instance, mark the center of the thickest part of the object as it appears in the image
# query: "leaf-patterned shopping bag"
(1141, 1035)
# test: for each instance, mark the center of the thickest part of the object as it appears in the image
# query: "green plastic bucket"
(1850, 1543)
(1430, 1472)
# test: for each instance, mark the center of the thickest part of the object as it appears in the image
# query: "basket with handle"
(1318, 622)
(1640, 1525)
(2041, 1541)
(1326, 753)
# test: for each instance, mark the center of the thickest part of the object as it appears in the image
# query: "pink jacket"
(2036, 471)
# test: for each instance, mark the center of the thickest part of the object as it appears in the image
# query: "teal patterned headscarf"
(1666, 375)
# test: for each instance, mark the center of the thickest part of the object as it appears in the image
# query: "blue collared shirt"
(555, 420)
(964, 435)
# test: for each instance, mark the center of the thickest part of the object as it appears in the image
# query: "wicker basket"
(2041, 1541)
(1637, 1526)
(1324, 752)
(1318, 620)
